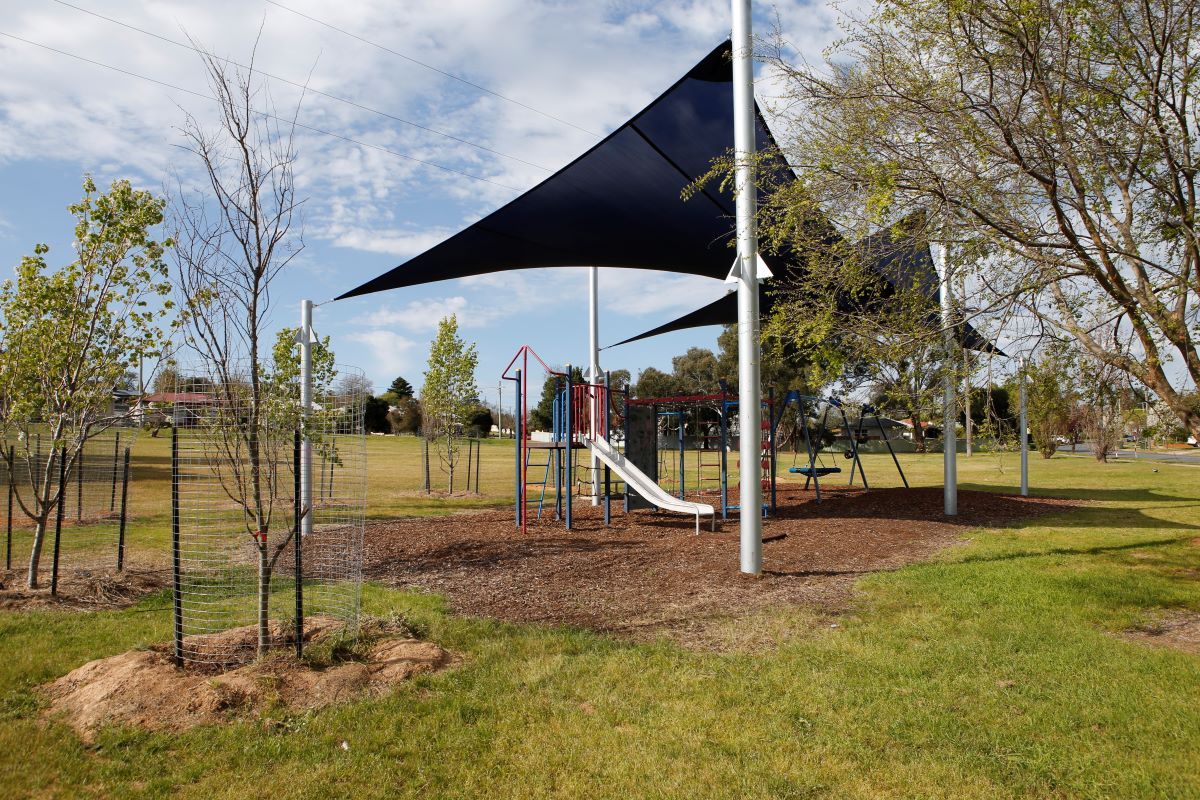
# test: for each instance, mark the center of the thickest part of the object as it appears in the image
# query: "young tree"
(449, 392)
(1050, 398)
(234, 237)
(70, 335)
(1052, 144)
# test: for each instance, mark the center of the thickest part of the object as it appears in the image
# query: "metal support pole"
(625, 493)
(62, 499)
(1024, 433)
(568, 426)
(949, 417)
(749, 352)
(470, 462)
(518, 439)
(176, 576)
(124, 507)
(594, 370)
(79, 459)
(112, 500)
(607, 439)
(301, 513)
(305, 339)
(724, 459)
(12, 462)
(478, 458)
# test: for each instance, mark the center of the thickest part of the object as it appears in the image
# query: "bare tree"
(234, 237)
(1054, 144)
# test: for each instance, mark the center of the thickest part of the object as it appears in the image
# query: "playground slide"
(648, 489)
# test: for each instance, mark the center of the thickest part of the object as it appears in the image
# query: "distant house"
(175, 409)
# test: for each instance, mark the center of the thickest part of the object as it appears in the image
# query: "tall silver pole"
(949, 436)
(594, 369)
(1024, 434)
(305, 340)
(749, 391)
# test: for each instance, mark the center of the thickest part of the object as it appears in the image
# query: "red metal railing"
(588, 403)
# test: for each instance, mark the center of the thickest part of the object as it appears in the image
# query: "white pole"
(949, 436)
(305, 339)
(594, 369)
(1024, 434)
(749, 391)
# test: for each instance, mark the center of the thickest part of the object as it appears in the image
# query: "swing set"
(816, 468)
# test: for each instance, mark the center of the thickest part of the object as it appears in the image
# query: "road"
(1176, 457)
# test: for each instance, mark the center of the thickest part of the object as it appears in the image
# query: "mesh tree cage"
(91, 535)
(238, 510)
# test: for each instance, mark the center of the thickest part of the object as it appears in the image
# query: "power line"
(441, 72)
(265, 114)
(301, 86)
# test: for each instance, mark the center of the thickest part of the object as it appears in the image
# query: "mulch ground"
(648, 574)
(81, 589)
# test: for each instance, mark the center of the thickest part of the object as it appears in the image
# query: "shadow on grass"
(1122, 495)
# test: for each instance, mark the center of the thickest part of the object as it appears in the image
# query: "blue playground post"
(519, 433)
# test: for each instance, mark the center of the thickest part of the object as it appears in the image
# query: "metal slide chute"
(644, 486)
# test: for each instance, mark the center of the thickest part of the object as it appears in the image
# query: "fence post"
(79, 460)
(478, 458)
(112, 500)
(470, 455)
(177, 584)
(62, 497)
(124, 505)
(296, 547)
(12, 461)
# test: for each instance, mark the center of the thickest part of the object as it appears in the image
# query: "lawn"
(994, 671)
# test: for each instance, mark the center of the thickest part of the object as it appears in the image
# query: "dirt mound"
(144, 688)
(1178, 629)
(81, 590)
(646, 575)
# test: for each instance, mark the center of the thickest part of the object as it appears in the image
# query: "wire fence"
(91, 537)
(237, 473)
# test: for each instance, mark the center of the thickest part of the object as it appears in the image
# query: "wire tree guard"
(89, 535)
(235, 514)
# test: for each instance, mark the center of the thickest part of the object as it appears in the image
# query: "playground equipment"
(580, 421)
(816, 468)
(710, 417)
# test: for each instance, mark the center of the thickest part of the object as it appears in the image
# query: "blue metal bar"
(568, 425)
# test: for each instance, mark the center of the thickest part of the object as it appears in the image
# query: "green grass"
(990, 672)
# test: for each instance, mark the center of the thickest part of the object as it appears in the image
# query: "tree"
(235, 234)
(70, 335)
(653, 382)
(542, 416)
(696, 372)
(1050, 398)
(405, 416)
(1051, 144)
(480, 421)
(375, 415)
(401, 388)
(449, 392)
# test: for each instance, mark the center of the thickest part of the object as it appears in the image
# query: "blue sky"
(591, 63)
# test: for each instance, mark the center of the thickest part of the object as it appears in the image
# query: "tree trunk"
(264, 600)
(450, 457)
(35, 554)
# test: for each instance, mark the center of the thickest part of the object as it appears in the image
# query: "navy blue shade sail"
(617, 205)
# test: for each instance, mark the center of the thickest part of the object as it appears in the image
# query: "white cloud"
(391, 353)
(422, 316)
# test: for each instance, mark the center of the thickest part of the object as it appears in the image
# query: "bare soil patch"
(80, 590)
(1178, 629)
(144, 688)
(648, 574)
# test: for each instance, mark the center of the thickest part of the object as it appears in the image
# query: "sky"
(590, 64)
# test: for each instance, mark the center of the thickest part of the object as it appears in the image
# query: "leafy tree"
(1050, 398)
(1051, 144)
(654, 382)
(696, 372)
(71, 334)
(405, 416)
(449, 393)
(480, 421)
(375, 415)
(541, 417)
(401, 388)
(168, 379)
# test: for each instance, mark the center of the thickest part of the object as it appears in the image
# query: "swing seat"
(818, 471)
